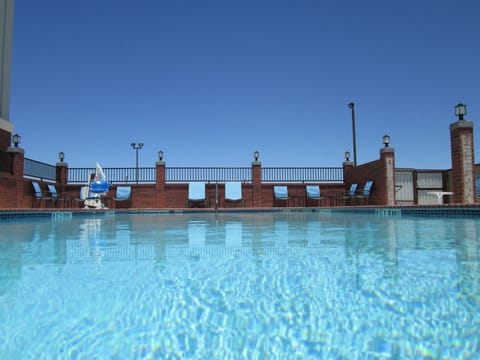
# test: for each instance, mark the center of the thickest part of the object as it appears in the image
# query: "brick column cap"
(387, 150)
(16, 150)
(160, 163)
(61, 164)
(461, 124)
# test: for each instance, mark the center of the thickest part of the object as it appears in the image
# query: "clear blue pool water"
(300, 285)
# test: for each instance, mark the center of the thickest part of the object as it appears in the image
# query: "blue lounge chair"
(39, 196)
(280, 194)
(196, 194)
(366, 191)
(312, 193)
(350, 195)
(57, 198)
(123, 194)
(233, 193)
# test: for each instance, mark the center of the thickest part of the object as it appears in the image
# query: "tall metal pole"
(136, 147)
(136, 165)
(352, 107)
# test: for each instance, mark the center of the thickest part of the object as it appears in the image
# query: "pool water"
(299, 285)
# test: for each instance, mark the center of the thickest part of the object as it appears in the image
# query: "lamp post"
(347, 155)
(351, 106)
(256, 155)
(386, 140)
(61, 156)
(460, 110)
(16, 140)
(136, 147)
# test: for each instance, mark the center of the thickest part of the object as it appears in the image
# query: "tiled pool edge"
(437, 211)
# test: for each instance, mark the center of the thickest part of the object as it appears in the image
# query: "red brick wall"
(17, 192)
(8, 191)
(143, 195)
(374, 170)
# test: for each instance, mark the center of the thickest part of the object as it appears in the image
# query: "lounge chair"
(39, 195)
(122, 195)
(233, 193)
(57, 197)
(312, 193)
(347, 198)
(280, 194)
(196, 194)
(365, 193)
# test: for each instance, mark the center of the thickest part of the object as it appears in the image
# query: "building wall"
(374, 170)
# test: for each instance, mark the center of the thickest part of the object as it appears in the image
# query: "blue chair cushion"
(281, 192)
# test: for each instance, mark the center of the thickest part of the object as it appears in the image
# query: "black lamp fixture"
(460, 110)
(160, 155)
(347, 155)
(386, 140)
(256, 155)
(136, 146)
(16, 140)
(61, 156)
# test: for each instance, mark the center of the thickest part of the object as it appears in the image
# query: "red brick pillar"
(160, 184)
(347, 173)
(387, 157)
(17, 167)
(463, 163)
(257, 184)
(62, 173)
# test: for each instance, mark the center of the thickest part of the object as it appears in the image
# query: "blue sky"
(208, 82)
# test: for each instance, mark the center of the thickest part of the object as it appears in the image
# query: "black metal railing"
(208, 174)
(302, 174)
(114, 175)
(39, 170)
(211, 174)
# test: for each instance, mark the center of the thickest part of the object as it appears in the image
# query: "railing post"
(257, 184)
(160, 184)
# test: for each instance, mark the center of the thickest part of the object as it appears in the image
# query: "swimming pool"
(263, 285)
